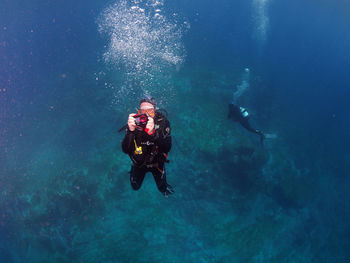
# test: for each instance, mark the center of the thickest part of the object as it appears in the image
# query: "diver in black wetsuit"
(241, 115)
(148, 146)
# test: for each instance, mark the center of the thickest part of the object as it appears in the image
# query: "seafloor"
(66, 195)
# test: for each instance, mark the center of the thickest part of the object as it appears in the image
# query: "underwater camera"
(141, 121)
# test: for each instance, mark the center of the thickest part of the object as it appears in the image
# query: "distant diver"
(240, 114)
(147, 142)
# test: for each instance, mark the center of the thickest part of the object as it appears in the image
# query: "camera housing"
(141, 121)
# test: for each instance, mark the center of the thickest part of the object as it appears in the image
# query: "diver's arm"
(163, 139)
(127, 143)
(164, 144)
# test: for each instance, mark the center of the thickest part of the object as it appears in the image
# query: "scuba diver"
(240, 114)
(147, 142)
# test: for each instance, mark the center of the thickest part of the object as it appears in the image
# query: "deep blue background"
(50, 50)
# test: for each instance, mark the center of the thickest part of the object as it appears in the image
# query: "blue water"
(71, 72)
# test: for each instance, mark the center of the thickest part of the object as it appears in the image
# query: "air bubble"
(144, 46)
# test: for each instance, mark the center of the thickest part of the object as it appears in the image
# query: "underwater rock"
(283, 198)
(244, 151)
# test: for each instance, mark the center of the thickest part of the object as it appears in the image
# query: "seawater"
(71, 72)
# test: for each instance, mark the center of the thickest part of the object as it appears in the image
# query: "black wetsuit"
(150, 154)
(240, 115)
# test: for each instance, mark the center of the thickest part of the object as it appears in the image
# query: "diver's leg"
(137, 175)
(245, 123)
(159, 176)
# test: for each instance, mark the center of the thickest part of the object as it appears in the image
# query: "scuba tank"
(244, 112)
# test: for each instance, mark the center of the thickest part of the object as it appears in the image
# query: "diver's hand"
(150, 126)
(131, 122)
